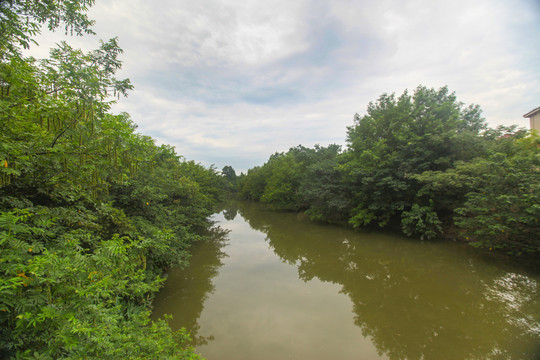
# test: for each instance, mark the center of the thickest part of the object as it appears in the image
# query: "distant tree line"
(421, 162)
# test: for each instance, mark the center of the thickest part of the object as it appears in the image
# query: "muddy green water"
(280, 287)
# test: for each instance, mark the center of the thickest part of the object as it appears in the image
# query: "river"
(273, 285)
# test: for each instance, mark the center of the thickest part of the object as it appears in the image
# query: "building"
(534, 118)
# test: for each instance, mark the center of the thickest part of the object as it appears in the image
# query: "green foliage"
(251, 187)
(60, 300)
(21, 20)
(400, 138)
(492, 199)
(284, 180)
(91, 212)
(421, 220)
(209, 180)
(322, 190)
(502, 210)
(230, 179)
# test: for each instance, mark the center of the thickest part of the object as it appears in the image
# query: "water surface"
(280, 287)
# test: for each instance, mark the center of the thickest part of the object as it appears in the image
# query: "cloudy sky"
(230, 82)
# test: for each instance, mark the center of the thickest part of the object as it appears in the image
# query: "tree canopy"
(401, 137)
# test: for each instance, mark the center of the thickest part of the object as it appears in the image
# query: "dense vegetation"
(425, 163)
(91, 212)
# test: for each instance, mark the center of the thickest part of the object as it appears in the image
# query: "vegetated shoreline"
(529, 263)
(91, 212)
(425, 163)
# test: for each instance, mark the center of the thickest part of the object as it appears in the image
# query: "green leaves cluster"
(301, 179)
(61, 300)
(400, 138)
(21, 20)
(425, 163)
(502, 210)
(91, 212)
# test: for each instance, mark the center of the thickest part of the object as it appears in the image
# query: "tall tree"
(402, 136)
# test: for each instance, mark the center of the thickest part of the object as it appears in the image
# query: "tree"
(21, 20)
(401, 137)
(231, 179)
(322, 190)
(55, 114)
(251, 186)
(229, 173)
(503, 207)
(282, 185)
(280, 181)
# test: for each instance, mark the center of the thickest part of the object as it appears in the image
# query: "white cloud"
(231, 82)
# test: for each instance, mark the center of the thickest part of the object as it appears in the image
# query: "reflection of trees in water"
(413, 300)
(229, 209)
(230, 213)
(193, 285)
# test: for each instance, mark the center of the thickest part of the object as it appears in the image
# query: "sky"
(231, 82)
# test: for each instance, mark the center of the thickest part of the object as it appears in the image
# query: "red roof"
(532, 112)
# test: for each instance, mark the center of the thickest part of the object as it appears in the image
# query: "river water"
(276, 286)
